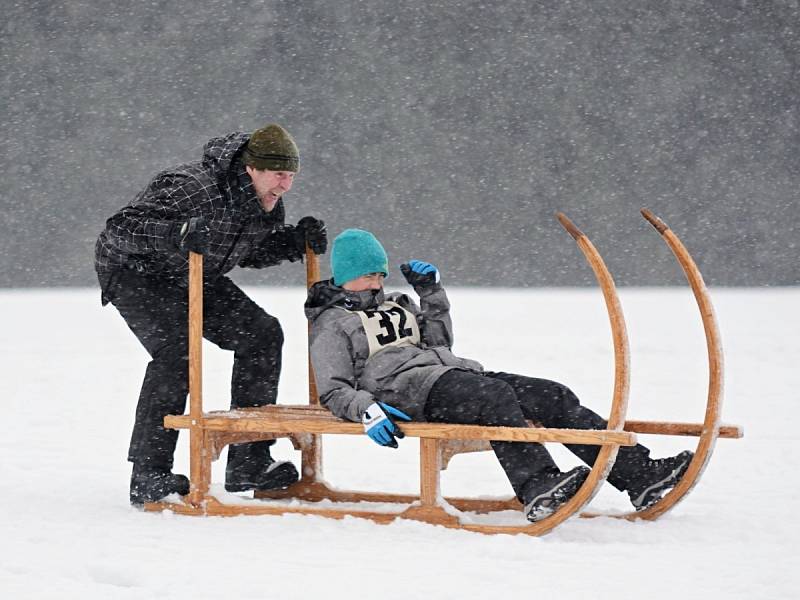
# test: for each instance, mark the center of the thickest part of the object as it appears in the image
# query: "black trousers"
(509, 400)
(156, 310)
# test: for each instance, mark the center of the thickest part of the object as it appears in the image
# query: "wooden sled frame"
(305, 424)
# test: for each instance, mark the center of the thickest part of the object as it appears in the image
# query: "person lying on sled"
(380, 358)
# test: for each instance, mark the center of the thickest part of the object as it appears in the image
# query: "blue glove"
(419, 273)
(380, 426)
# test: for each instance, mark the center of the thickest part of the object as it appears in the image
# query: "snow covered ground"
(71, 374)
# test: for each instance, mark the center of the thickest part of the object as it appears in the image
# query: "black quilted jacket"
(218, 188)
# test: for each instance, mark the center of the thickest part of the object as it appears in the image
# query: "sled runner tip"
(571, 228)
(660, 226)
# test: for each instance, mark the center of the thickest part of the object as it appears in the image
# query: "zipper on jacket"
(221, 270)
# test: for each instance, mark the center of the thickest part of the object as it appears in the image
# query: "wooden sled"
(305, 424)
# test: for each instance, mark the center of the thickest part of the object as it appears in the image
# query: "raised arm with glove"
(420, 274)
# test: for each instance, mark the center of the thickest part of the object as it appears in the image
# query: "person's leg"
(155, 310)
(471, 399)
(553, 404)
(163, 393)
(234, 322)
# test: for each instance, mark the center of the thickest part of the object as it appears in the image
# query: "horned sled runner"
(305, 425)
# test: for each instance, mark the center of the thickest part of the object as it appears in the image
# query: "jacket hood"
(219, 152)
(324, 294)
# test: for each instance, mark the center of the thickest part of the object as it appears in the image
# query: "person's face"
(270, 185)
(372, 281)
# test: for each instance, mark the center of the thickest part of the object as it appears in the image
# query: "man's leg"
(234, 322)
(163, 393)
(472, 399)
(155, 310)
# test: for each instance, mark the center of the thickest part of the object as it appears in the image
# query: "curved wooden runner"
(708, 437)
(711, 423)
(616, 421)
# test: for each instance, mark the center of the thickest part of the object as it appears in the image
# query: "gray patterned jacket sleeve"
(436, 327)
(333, 359)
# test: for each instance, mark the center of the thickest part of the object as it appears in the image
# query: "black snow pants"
(509, 400)
(156, 310)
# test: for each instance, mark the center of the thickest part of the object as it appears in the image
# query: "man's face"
(270, 185)
(373, 281)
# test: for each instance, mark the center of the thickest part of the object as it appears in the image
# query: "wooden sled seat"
(285, 420)
(292, 421)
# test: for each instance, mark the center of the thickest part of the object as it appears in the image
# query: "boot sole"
(655, 492)
(558, 495)
(181, 487)
(283, 477)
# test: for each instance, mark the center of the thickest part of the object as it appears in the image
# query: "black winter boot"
(150, 484)
(549, 491)
(250, 467)
(656, 478)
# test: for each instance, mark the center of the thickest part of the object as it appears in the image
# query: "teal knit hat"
(355, 253)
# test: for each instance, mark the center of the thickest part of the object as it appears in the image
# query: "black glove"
(419, 273)
(313, 231)
(191, 235)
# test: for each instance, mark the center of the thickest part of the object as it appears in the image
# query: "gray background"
(453, 130)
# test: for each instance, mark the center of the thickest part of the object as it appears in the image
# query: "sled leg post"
(199, 455)
(312, 457)
(430, 506)
(429, 467)
(311, 460)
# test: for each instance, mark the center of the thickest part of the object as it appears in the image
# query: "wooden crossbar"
(312, 419)
(733, 432)
(272, 419)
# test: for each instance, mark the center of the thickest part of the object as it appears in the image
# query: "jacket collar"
(324, 294)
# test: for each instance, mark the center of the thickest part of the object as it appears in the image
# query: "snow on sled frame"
(304, 425)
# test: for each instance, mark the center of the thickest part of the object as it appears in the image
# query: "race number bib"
(389, 325)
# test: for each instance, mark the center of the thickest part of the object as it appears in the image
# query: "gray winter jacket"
(367, 347)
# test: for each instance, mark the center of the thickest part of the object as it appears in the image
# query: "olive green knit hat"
(272, 148)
